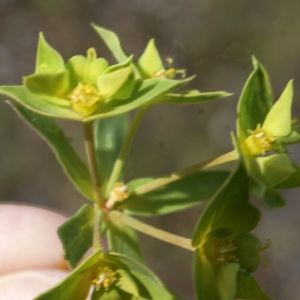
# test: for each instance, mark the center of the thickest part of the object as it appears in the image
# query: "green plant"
(100, 96)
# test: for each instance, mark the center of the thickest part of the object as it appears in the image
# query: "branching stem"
(152, 231)
(230, 156)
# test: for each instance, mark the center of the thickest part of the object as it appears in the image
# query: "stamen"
(106, 277)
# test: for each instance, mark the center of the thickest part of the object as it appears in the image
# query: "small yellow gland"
(259, 142)
(106, 277)
(84, 98)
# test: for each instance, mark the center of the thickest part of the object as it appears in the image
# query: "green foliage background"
(213, 39)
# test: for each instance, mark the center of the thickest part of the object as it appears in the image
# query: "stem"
(230, 156)
(152, 231)
(91, 159)
(124, 150)
(97, 229)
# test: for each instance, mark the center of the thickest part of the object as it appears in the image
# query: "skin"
(31, 255)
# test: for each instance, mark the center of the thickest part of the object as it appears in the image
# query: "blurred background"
(213, 39)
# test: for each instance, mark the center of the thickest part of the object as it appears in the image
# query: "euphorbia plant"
(88, 90)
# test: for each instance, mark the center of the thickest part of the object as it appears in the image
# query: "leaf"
(270, 198)
(48, 59)
(175, 196)
(279, 119)
(76, 234)
(40, 103)
(150, 62)
(154, 287)
(123, 239)
(248, 288)
(214, 283)
(109, 135)
(248, 251)
(74, 168)
(150, 91)
(77, 284)
(275, 169)
(112, 42)
(228, 209)
(255, 101)
(193, 97)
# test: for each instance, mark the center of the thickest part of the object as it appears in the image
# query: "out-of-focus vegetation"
(213, 39)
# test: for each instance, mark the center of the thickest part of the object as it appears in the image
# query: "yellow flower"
(259, 142)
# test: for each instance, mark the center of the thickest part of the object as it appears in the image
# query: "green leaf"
(123, 239)
(270, 198)
(228, 209)
(211, 282)
(55, 84)
(248, 251)
(175, 196)
(279, 120)
(153, 286)
(109, 135)
(275, 169)
(117, 81)
(48, 59)
(150, 92)
(150, 62)
(83, 69)
(73, 166)
(76, 234)
(248, 288)
(194, 96)
(77, 285)
(41, 103)
(112, 42)
(255, 101)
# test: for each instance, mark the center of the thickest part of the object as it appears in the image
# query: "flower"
(150, 64)
(264, 130)
(83, 83)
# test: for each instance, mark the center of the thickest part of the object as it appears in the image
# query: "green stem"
(124, 150)
(230, 156)
(152, 231)
(97, 229)
(91, 159)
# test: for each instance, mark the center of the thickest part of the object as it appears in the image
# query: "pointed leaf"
(175, 196)
(112, 42)
(279, 119)
(48, 59)
(255, 101)
(194, 96)
(76, 234)
(248, 288)
(109, 135)
(150, 62)
(73, 166)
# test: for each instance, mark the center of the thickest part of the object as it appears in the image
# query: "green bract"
(88, 88)
(263, 127)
